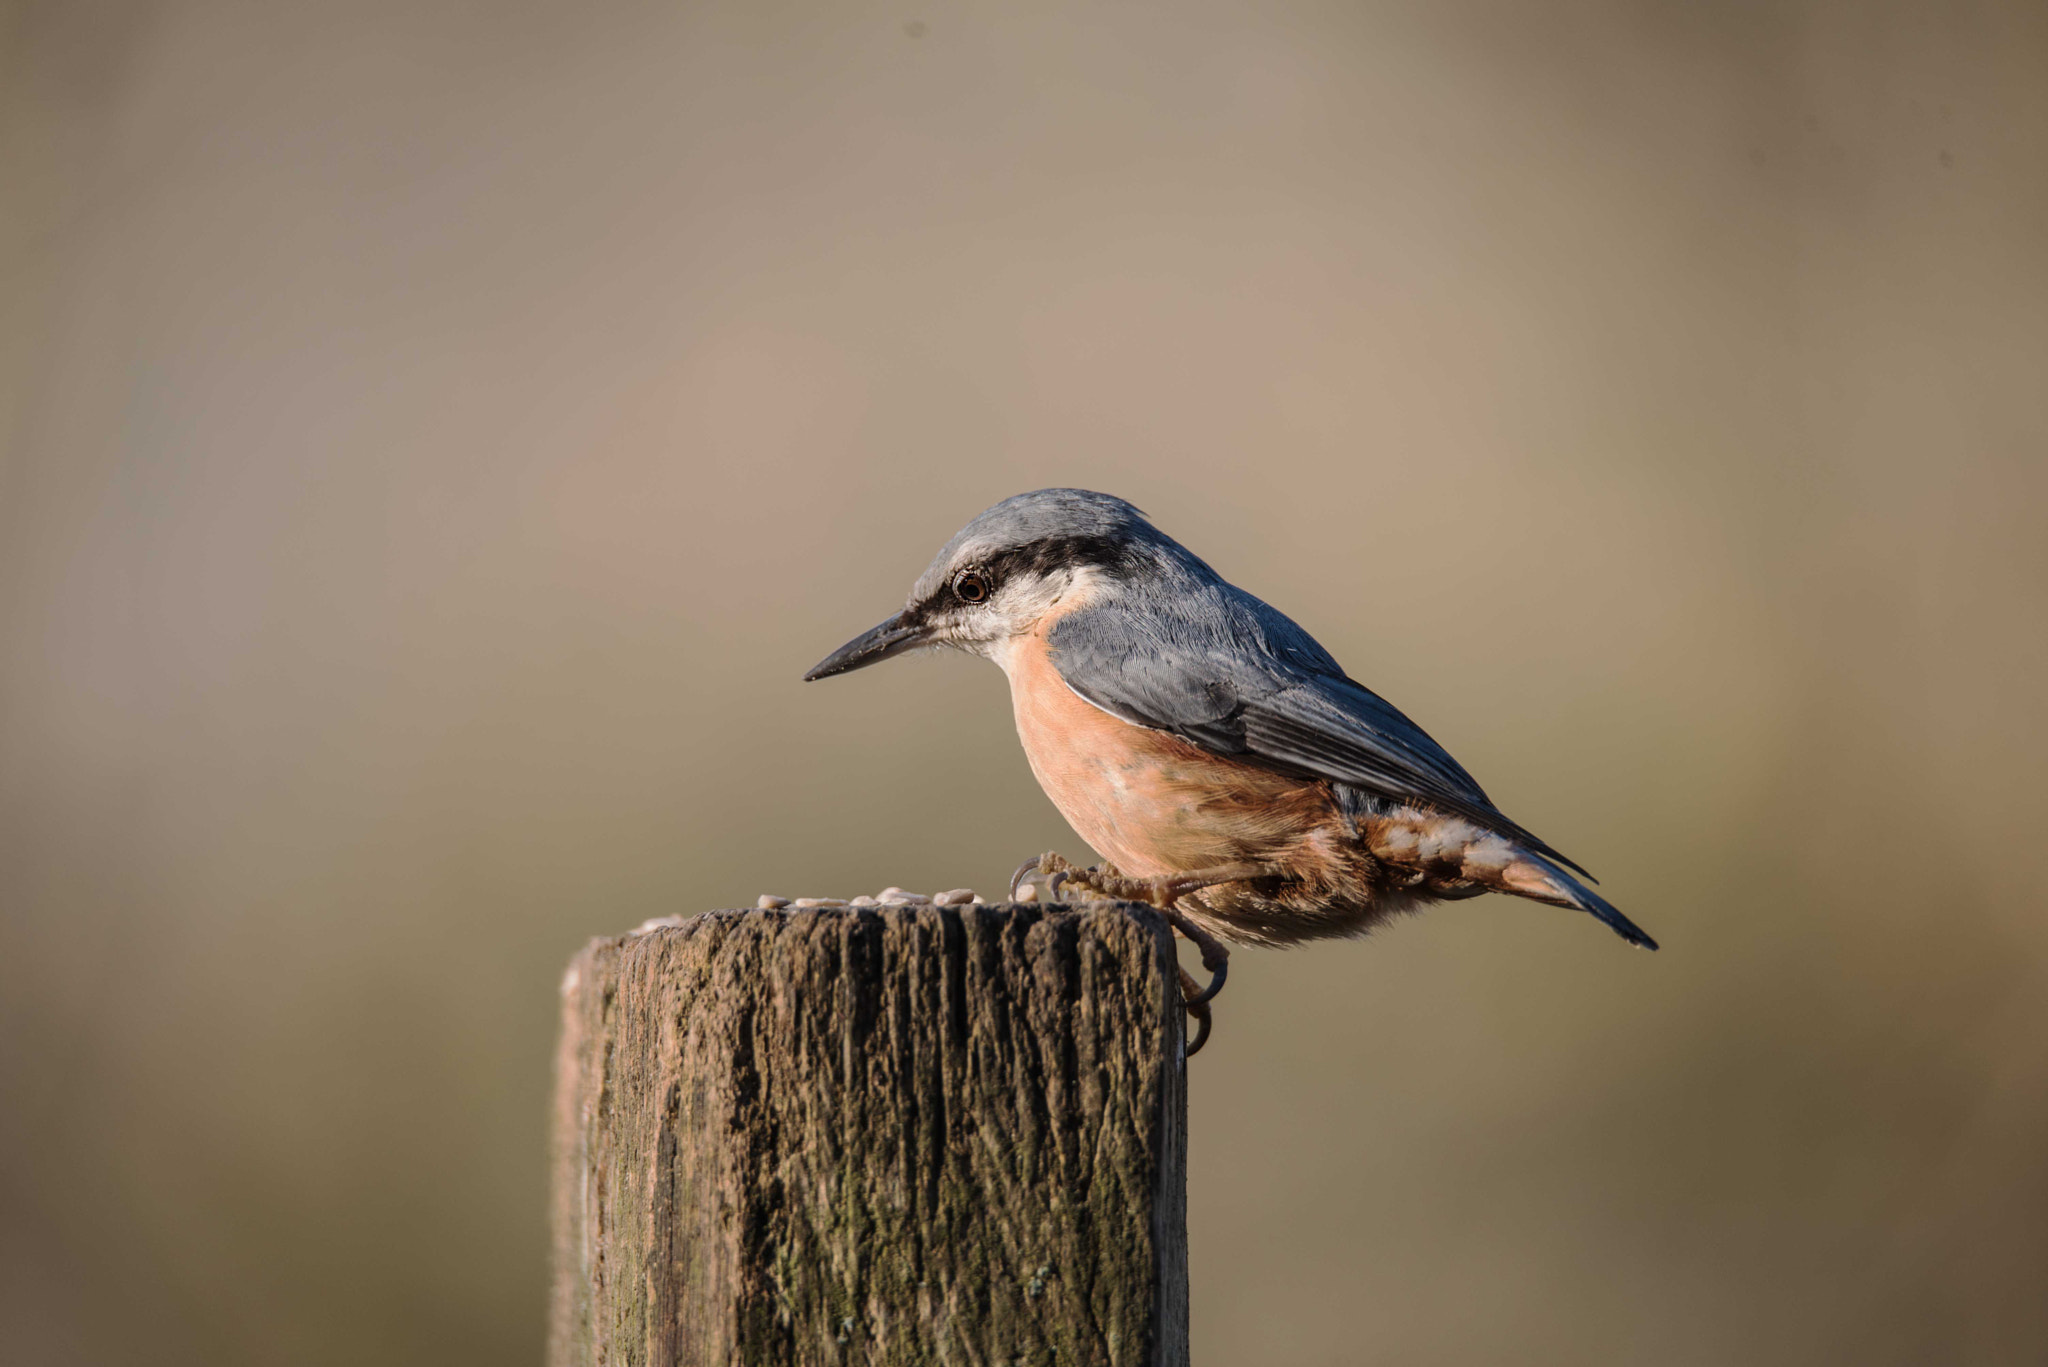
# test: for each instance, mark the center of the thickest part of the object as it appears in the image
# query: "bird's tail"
(1533, 876)
(1456, 858)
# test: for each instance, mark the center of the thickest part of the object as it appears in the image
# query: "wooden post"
(907, 1134)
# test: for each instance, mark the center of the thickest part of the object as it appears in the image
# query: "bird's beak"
(891, 638)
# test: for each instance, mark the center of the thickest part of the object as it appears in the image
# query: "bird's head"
(1004, 571)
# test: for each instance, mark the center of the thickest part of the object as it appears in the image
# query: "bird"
(1220, 759)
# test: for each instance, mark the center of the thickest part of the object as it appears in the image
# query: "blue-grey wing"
(1231, 674)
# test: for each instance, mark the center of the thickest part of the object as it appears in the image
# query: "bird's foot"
(1051, 869)
(1162, 894)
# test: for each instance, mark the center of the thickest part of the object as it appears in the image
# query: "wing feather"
(1371, 746)
(1229, 673)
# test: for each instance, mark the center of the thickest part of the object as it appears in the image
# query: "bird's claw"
(1218, 972)
(1196, 1004)
(1054, 872)
(1215, 957)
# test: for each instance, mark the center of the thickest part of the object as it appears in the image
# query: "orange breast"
(1152, 803)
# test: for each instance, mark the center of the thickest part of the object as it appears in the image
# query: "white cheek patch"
(1022, 604)
(1027, 608)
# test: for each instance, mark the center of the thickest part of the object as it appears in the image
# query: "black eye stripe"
(1038, 557)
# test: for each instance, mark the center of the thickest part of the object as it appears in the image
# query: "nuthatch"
(1234, 775)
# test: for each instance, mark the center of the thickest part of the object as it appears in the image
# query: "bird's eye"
(971, 588)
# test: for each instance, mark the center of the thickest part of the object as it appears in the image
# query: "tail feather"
(1532, 876)
(1455, 858)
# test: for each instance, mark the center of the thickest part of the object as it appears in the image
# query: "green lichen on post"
(902, 1135)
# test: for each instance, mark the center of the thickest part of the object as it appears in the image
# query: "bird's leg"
(1162, 893)
(1165, 893)
(1056, 870)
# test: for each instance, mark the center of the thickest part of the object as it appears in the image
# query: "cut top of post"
(904, 1134)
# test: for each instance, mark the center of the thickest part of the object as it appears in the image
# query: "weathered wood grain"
(906, 1135)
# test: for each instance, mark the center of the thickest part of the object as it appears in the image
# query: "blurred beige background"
(437, 436)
